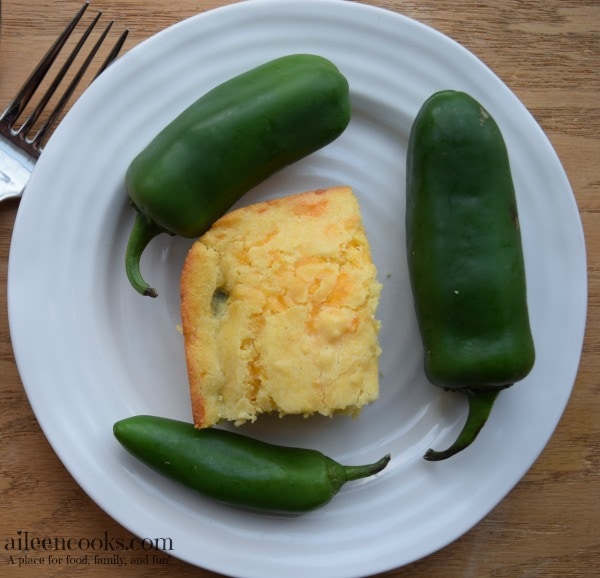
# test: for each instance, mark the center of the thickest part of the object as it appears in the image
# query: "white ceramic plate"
(92, 351)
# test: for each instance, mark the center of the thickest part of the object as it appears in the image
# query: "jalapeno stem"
(480, 406)
(142, 233)
(364, 471)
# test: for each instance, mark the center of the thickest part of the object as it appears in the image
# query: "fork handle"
(15, 171)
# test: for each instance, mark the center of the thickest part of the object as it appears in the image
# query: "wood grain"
(547, 51)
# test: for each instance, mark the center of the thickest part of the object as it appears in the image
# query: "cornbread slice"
(278, 303)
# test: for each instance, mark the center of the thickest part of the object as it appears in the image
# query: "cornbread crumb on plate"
(278, 303)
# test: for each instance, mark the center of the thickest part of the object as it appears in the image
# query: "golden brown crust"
(278, 311)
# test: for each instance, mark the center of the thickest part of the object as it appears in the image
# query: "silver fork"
(20, 146)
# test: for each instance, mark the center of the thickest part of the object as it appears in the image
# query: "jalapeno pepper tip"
(480, 407)
(142, 233)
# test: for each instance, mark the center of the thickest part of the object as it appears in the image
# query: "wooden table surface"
(548, 53)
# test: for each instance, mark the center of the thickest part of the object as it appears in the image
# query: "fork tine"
(35, 114)
(38, 139)
(113, 53)
(20, 136)
(18, 104)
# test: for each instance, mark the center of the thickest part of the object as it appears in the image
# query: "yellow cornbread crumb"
(278, 303)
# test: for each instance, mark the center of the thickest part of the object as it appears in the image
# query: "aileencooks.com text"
(22, 541)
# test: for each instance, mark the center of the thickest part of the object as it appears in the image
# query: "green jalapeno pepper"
(228, 141)
(465, 256)
(236, 469)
